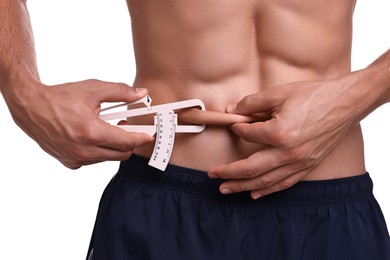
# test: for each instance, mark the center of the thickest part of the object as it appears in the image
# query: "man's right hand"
(64, 121)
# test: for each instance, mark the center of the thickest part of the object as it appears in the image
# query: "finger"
(259, 132)
(259, 102)
(123, 122)
(100, 154)
(118, 139)
(286, 183)
(95, 155)
(117, 92)
(267, 183)
(262, 116)
(255, 165)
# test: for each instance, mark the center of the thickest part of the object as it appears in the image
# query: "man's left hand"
(306, 121)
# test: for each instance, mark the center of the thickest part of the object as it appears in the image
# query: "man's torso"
(220, 51)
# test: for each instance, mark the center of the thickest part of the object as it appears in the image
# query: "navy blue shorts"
(179, 214)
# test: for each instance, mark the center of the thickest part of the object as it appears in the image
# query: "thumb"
(261, 102)
(123, 122)
(118, 92)
(259, 132)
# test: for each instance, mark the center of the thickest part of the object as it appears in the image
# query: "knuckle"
(73, 165)
(283, 136)
(301, 157)
(93, 83)
(269, 191)
(89, 136)
(285, 184)
(295, 153)
(237, 188)
(129, 145)
(124, 89)
(250, 172)
(80, 156)
(264, 182)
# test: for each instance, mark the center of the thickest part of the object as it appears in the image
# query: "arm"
(17, 49)
(308, 120)
(62, 119)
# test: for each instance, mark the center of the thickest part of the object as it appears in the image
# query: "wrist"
(379, 77)
(19, 89)
(365, 90)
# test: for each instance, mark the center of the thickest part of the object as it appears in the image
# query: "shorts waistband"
(197, 182)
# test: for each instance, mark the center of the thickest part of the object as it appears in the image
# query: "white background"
(47, 211)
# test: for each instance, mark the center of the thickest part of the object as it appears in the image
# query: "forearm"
(380, 77)
(363, 91)
(18, 69)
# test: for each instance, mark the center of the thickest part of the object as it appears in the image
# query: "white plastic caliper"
(165, 125)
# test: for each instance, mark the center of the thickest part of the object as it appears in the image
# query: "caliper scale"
(165, 125)
(165, 139)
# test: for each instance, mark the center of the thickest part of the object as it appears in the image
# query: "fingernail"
(141, 90)
(256, 196)
(226, 191)
(212, 175)
(148, 136)
(230, 108)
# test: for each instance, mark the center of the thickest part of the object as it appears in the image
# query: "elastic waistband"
(197, 182)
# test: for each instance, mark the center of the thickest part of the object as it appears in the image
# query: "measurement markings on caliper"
(165, 139)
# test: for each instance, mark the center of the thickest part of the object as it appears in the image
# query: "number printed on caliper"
(165, 126)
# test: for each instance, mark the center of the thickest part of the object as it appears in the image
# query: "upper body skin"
(222, 51)
(290, 60)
